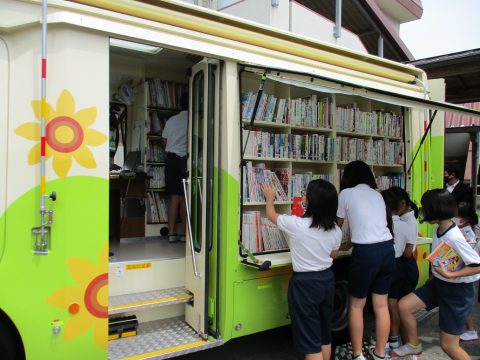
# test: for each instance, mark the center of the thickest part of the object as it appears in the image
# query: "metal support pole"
(380, 46)
(474, 138)
(337, 29)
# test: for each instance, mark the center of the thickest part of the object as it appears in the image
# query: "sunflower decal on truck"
(68, 134)
(87, 303)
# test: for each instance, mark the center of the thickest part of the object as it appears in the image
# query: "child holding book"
(466, 220)
(405, 231)
(452, 292)
(373, 258)
(314, 242)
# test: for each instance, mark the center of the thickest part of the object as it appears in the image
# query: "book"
(298, 206)
(445, 256)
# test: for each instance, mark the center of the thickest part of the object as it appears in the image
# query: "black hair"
(355, 173)
(454, 169)
(184, 101)
(402, 194)
(322, 204)
(465, 210)
(438, 204)
(392, 203)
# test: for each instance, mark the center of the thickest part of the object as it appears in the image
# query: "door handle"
(189, 223)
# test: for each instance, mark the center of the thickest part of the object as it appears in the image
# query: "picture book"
(445, 256)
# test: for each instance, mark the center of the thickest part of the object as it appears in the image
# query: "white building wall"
(308, 23)
(291, 16)
(254, 10)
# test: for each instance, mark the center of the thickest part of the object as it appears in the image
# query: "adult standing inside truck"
(174, 139)
(373, 257)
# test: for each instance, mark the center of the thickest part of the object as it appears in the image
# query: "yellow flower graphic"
(87, 303)
(67, 134)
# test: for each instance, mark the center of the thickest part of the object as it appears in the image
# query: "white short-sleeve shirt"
(405, 231)
(310, 248)
(175, 132)
(366, 212)
(455, 239)
(401, 235)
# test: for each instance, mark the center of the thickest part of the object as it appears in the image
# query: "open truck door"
(198, 187)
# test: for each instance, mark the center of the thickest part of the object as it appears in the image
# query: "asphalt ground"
(277, 344)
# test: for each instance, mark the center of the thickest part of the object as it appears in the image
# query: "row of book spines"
(260, 234)
(157, 207)
(157, 123)
(303, 111)
(387, 181)
(157, 174)
(254, 177)
(265, 144)
(269, 108)
(370, 122)
(155, 152)
(381, 151)
(165, 93)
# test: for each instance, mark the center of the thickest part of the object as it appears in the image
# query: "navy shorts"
(175, 171)
(372, 269)
(310, 303)
(454, 301)
(406, 277)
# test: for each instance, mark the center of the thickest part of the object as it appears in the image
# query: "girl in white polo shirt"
(451, 292)
(405, 232)
(373, 258)
(314, 242)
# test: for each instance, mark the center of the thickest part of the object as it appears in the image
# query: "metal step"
(148, 299)
(161, 339)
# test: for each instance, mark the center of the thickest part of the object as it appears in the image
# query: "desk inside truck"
(127, 205)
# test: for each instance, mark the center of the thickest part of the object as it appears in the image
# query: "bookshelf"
(161, 101)
(300, 134)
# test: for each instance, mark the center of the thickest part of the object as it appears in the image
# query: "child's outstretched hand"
(268, 191)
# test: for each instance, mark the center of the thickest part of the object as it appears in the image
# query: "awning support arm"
(255, 109)
(432, 117)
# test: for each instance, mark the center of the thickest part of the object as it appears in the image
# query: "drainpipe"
(380, 46)
(338, 19)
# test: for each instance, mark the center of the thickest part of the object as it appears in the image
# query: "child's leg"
(327, 351)
(408, 305)
(317, 356)
(355, 323)
(382, 322)
(469, 323)
(451, 346)
(394, 316)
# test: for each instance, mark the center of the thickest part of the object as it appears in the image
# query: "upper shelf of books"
(295, 109)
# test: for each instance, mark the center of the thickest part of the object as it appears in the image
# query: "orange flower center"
(92, 295)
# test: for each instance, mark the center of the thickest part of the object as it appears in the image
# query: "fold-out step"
(130, 302)
(161, 339)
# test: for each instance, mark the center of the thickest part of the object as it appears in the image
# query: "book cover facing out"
(298, 206)
(445, 256)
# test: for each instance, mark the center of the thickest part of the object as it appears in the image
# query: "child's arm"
(269, 194)
(346, 245)
(334, 254)
(466, 271)
(340, 222)
(408, 251)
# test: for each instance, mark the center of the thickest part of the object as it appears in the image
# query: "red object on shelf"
(298, 207)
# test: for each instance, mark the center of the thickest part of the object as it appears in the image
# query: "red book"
(298, 207)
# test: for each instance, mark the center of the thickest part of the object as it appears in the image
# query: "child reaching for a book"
(466, 220)
(314, 242)
(451, 292)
